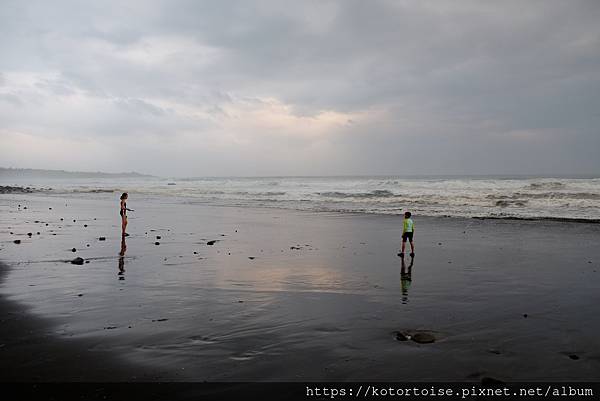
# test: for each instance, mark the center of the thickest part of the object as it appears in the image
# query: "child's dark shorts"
(407, 235)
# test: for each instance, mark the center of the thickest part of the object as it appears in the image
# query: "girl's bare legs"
(412, 247)
(124, 224)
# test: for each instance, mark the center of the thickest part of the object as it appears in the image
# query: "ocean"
(485, 197)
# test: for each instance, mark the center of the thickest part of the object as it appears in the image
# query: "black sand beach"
(290, 296)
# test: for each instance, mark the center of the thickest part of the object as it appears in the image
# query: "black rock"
(158, 237)
(490, 381)
(85, 225)
(87, 261)
(17, 241)
(525, 315)
(211, 242)
(251, 257)
(30, 234)
(102, 239)
(157, 243)
(401, 336)
(574, 357)
(49, 208)
(73, 250)
(423, 338)
(87, 245)
(77, 261)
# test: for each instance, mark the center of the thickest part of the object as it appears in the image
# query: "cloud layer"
(300, 88)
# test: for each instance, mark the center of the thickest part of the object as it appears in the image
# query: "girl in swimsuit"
(123, 213)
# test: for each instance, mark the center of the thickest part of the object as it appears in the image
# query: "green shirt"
(409, 226)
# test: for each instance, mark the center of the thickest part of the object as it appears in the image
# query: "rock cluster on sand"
(12, 190)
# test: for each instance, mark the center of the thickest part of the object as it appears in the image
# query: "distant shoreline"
(41, 173)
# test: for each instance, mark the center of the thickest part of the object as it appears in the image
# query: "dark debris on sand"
(77, 261)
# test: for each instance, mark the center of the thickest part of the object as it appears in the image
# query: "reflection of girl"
(123, 213)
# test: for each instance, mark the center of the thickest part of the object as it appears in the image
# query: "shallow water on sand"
(285, 295)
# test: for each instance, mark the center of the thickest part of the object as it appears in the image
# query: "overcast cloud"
(191, 88)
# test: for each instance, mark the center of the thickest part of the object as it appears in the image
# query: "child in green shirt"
(408, 230)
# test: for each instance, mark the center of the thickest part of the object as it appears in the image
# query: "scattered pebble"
(85, 225)
(251, 257)
(30, 234)
(158, 237)
(77, 261)
(102, 239)
(17, 241)
(211, 242)
(157, 243)
(574, 357)
(525, 315)
(73, 250)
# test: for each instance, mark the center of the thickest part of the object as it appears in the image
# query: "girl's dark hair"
(407, 214)
(124, 195)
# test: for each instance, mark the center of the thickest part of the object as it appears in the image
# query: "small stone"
(195, 253)
(251, 257)
(574, 357)
(102, 239)
(38, 233)
(490, 381)
(401, 336)
(87, 261)
(74, 220)
(525, 315)
(61, 219)
(49, 208)
(211, 242)
(157, 243)
(158, 237)
(17, 241)
(73, 250)
(77, 261)
(85, 225)
(423, 338)
(30, 234)
(87, 245)
(79, 295)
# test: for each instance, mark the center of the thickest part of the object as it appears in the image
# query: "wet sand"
(286, 295)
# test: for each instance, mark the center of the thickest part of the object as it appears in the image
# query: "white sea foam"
(562, 198)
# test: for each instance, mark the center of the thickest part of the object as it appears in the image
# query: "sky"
(247, 88)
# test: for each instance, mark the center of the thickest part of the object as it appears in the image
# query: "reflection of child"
(408, 229)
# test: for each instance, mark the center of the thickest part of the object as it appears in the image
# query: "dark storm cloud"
(309, 87)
